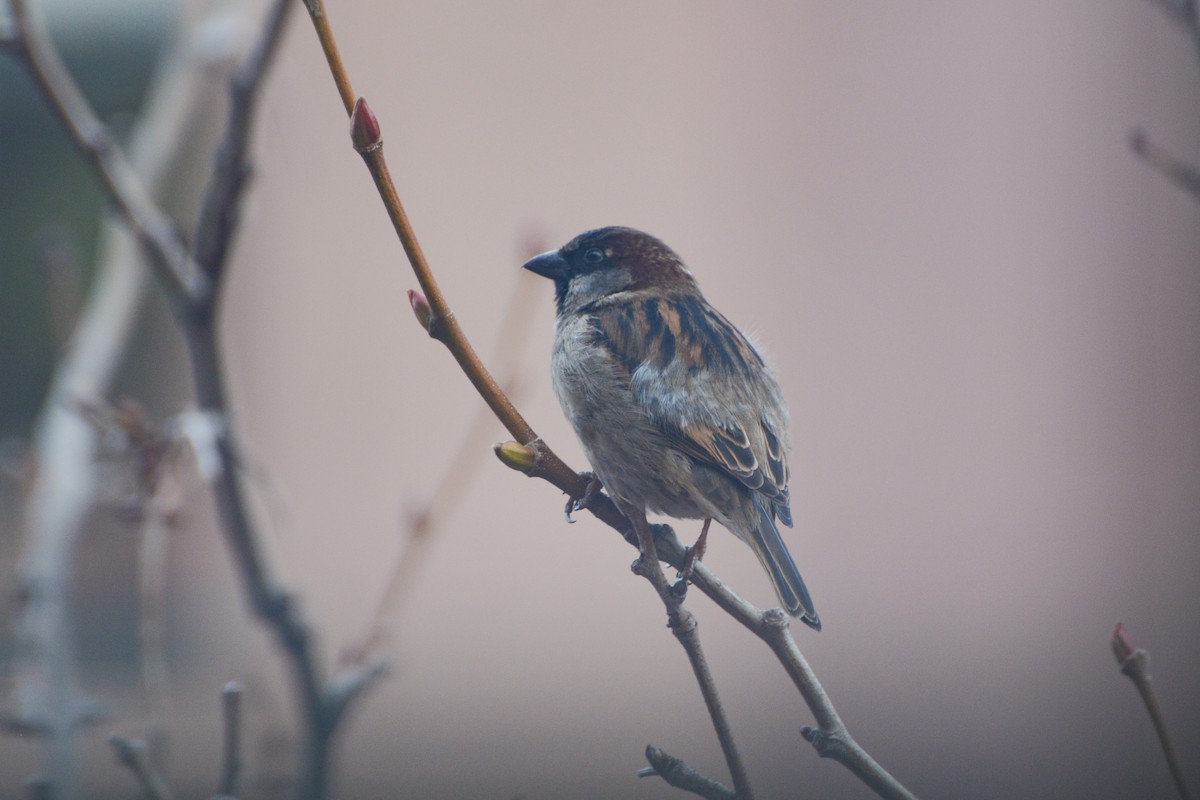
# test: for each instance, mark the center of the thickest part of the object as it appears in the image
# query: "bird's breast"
(632, 456)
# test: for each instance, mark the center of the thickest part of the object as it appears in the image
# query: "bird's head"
(607, 261)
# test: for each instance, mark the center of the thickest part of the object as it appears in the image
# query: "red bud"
(364, 127)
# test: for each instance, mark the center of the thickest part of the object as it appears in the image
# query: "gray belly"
(635, 461)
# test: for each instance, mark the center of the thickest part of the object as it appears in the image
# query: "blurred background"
(984, 309)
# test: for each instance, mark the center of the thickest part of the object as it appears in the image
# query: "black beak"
(549, 265)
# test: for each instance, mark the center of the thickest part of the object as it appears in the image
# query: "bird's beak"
(549, 265)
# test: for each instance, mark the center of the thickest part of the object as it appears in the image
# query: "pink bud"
(1122, 644)
(420, 307)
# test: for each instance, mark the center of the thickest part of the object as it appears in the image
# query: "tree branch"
(193, 288)
(681, 775)
(1179, 172)
(136, 756)
(533, 457)
(1135, 665)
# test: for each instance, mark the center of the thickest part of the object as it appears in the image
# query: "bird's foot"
(695, 552)
(594, 487)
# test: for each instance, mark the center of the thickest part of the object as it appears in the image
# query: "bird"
(677, 412)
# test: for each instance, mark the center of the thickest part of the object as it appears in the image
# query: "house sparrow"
(676, 410)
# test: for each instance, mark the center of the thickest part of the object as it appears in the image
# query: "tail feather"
(773, 553)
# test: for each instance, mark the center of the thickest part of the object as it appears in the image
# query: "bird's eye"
(593, 255)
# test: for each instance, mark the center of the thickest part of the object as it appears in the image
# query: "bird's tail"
(773, 553)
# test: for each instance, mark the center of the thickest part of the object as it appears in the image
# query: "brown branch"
(534, 458)
(1135, 664)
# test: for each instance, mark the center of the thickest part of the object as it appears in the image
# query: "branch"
(1179, 172)
(193, 288)
(1135, 664)
(533, 457)
(231, 739)
(121, 183)
(136, 756)
(222, 201)
(65, 445)
(1183, 13)
(681, 775)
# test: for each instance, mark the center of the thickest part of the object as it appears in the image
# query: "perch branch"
(441, 324)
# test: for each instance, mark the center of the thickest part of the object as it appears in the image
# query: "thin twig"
(231, 739)
(1135, 664)
(195, 297)
(222, 200)
(1184, 13)
(92, 139)
(136, 756)
(686, 629)
(681, 775)
(65, 445)
(1181, 173)
(536, 459)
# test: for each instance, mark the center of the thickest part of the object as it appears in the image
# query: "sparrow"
(678, 413)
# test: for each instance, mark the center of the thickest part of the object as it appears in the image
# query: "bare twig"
(532, 456)
(1135, 664)
(65, 445)
(1182, 174)
(218, 218)
(91, 137)
(193, 288)
(681, 775)
(686, 629)
(136, 756)
(231, 739)
(1184, 13)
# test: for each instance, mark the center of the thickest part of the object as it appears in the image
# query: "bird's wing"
(704, 385)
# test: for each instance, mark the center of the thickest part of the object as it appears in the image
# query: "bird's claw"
(594, 487)
(695, 552)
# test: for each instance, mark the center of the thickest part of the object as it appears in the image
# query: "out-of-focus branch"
(1181, 173)
(1135, 664)
(45, 693)
(231, 740)
(192, 286)
(135, 755)
(123, 186)
(1184, 13)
